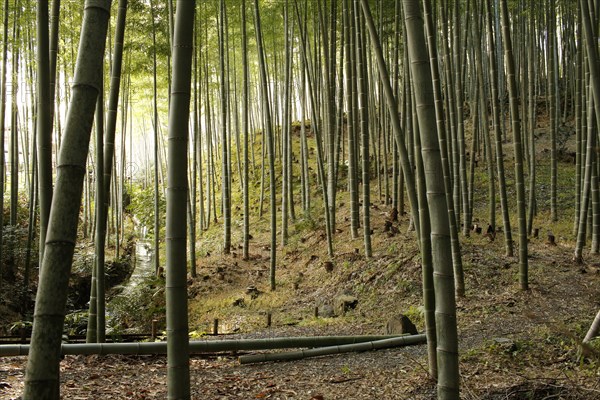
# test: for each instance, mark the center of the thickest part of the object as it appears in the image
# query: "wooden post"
(316, 312)
(268, 320)
(216, 327)
(154, 326)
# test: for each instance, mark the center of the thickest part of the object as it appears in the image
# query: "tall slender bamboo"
(459, 280)
(245, 131)
(578, 125)
(53, 47)
(98, 281)
(483, 110)
(460, 124)
(285, 130)
(156, 255)
(364, 127)
(592, 56)
(13, 145)
(532, 122)
(225, 178)
(517, 145)
(392, 105)
(351, 128)
(508, 243)
(551, 61)
(44, 123)
(31, 227)
(105, 166)
(2, 116)
(328, 42)
(315, 128)
(270, 140)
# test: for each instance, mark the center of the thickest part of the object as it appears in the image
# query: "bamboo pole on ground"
(338, 349)
(207, 346)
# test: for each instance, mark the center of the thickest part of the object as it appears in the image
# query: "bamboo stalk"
(207, 346)
(336, 349)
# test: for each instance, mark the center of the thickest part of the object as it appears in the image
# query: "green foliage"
(345, 369)
(17, 326)
(142, 206)
(76, 323)
(83, 264)
(137, 308)
(15, 245)
(196, 334)
(306, 224)
(416, 315)
(392, 248)
(589, 356)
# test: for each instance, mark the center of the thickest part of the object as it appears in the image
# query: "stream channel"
(143, 266)
(128, 299)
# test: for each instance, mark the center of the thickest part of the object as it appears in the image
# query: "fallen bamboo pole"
(594, 329)
(203, 346)
(337, 349)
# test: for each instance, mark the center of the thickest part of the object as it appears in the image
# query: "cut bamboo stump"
(338, 349)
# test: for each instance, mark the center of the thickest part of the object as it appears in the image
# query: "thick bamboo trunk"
(178, 374)
(42, 374)
(443, 277)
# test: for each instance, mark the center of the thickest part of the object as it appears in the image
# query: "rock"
(345, 303)
(387, 226)
(551, 239)
(326, 311)
(400, 324)
(505, 344)
(239, 302)
(253, 292)
(490, 233)
(393, 215)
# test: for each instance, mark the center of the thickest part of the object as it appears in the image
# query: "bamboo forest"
(300, 199)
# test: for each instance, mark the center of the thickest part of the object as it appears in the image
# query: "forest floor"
(513, 344)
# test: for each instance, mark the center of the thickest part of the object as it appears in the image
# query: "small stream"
(143, 259)
(143, 266)
(124, 314)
